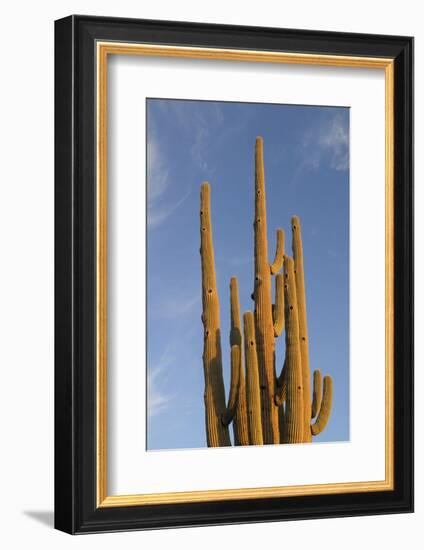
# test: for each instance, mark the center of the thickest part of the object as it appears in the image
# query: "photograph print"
(247, 274)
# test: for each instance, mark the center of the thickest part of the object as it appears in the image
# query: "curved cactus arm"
(235, 330)
(252, 381)
(279, 253)
(281, 390)
(228, 415)
(214, 396)
(317, 393)
(278, 308)
(303, 327)
(240, 423)
(325, 410)
(293, 418)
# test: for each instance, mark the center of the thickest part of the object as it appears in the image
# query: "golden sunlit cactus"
(263, 408)
(240, 425)
(264, 323)
(217, 432)
(293, 430)
(252, 374)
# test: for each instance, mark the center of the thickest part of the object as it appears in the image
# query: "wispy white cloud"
(161, 372)
(157, 173)
(335, 142)
(158, 213)
(200, 123)
(328, 143)
(158, 181)
(158, 399)
(175, 306)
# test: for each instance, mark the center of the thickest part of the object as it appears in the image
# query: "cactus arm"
(252, 381)
(303, 327)
(229, 413)
(278, 309)
(281, 391)
(325, 410)
(235, 330)
(214, 395)
(279, 253)
(264, 325)
(240, 423)
(317, 393)
(293, 418)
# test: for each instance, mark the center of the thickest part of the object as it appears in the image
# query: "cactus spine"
(264, 408)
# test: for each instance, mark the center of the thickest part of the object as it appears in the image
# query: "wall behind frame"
(26, 276)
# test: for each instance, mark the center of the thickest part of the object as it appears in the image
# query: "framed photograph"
(234, 274)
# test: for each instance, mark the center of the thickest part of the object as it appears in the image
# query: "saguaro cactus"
(264, 408)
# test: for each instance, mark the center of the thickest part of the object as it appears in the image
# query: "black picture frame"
(76, 510)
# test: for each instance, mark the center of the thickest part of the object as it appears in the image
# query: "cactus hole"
(210, 291)
(203, 228)
(291, 307)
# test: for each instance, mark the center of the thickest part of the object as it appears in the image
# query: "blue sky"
(307, 174)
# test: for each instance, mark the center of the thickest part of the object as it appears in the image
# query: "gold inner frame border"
(103, 50)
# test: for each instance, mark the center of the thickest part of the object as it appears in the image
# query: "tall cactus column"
(264, 324)
(215, 407)
(303, 325)
(293, 425)
(240, 423)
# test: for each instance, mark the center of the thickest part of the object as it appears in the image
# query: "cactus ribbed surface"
(217, 433)
(325, 410)
(293, 431)
(317, 395)
(264, 324)
(278, 309)
(303, 327)
(264, 408)
(240, 426)
(279, 253)
(252, 384)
